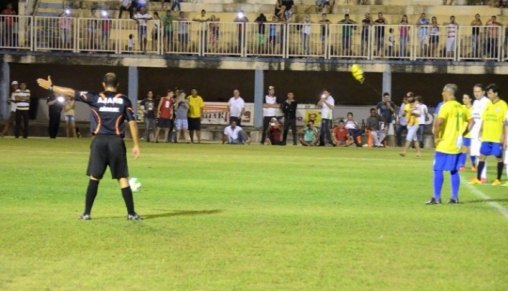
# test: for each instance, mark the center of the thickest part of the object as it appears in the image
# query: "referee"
(109, 109)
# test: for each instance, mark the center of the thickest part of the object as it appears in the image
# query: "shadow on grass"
(485, 200)
(182, 213)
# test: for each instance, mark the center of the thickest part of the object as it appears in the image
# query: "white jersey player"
(479, 106)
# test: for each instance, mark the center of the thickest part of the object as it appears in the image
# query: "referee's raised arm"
(48, 85)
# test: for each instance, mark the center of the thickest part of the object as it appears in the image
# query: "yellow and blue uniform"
(454, 117)
(492, 128)
(195, 105)
(466, 141)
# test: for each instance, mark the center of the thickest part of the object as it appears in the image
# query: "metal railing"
(279, 40)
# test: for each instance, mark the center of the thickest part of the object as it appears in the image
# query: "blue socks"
(462, 160)
(473, 160)
(455, 179)
(438, 184)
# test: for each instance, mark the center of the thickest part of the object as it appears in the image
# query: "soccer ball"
(135, 184)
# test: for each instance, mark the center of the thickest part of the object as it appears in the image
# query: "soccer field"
(252, 217)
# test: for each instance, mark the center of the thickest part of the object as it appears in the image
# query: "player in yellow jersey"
(412, 113)
(466, 141)
(451, 124)
(492, 134)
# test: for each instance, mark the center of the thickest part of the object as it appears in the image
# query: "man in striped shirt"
(22, 100)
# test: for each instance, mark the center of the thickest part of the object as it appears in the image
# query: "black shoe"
(453, 201)
(85, 216)
(433, 201)
(134, 216)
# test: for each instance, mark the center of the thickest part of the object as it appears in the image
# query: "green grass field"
(244, 218)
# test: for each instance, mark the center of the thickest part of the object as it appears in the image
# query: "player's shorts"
(491, 149)
(466, 141)
(69, 118)
(194, 123)
(181, 124)
(446, 162)
(412, 133)
(107, 150)
(165, 123)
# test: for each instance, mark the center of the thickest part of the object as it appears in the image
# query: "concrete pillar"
(259, 84)
(4, 90)
(387, 81)
(132, 92)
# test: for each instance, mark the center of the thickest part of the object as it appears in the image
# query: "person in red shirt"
(274, 132)
(9, 26)
(165, 116)
(341, 136)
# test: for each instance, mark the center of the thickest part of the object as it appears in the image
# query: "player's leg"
(455, 184)
(96, 167)
(438, 178)
(498, 153)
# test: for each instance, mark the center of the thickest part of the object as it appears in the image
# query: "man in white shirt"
(327, 103)
(142, 17)
(270, 109)
(424, 110)
(479, 105)
(236, 108)
(234, 134)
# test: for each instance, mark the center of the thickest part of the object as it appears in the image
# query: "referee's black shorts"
(194, 123)
(108, 150)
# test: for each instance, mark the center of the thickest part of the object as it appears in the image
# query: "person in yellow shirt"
(466, 140)
(451, 124)
(196, 107)
(412, 113)
(491, 133)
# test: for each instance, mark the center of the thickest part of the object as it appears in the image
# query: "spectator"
(92, 26)
(327, 103)
(379, 33)
(422, 119)
(401, 124)
(354, 129)
(214, 28)
(155, 31)
(203, 33)
(273, 36)
(341, 136)
(10, 34)
(403, 35)
(310, 135)
(270, 108)
(366, 23)
(234, 134)
(348, 25)
(492, 29)
(130, 43)
(274, 132)
(149, 115)
(11, 121)
(289, 107)
(434, 37)
(288, 3)
(236, 108)
(241, 20)
(386, 108)
(423, 33)
(142, 17)
(325, 28)
(65, 24)
(377, 128)
(451, 37)
(55, 105)
(167, 24)
(181, 119)
(475, 36)
(306, 34)
(196, 108)
(105, 25)
(183, 31)
(126, 5)
(412, 113)
(22, 99)
(260, 20)
(70, 118)
(390, 41)
(176, 4)
(165, 115)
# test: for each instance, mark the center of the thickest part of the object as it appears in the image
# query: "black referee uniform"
(109, 112)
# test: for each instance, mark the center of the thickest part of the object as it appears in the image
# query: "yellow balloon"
(357, 73)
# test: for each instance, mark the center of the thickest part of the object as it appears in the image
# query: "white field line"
(503, 210)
